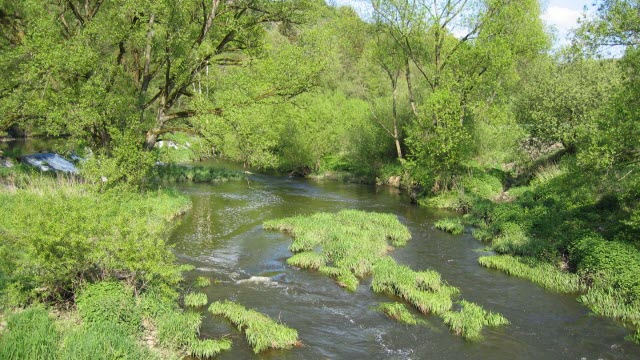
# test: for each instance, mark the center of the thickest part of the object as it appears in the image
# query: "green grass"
(261, 332)
(351, 244)
(469, 321)
(30, 334)
(195, 299)
(63, 234)
(103, 341)
(202, 282)
(612, 303)
(398, 312)
(351, 240)
(450, 225)
(307, 260)
(109, 303)
(541, 273)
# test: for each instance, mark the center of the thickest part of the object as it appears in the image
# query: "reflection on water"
(222, 236)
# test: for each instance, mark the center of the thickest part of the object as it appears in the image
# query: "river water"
(222, 236)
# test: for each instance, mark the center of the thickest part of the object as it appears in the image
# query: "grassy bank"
(86, 274)
(563, 231)
(350, 245)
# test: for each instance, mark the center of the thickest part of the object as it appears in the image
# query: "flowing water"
(222, 236)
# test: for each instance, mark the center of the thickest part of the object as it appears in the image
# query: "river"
(222, 236)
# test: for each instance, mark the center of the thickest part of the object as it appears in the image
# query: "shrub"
(30, 334)
(64, 234)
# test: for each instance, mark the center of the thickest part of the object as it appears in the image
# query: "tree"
(465, 51)
(94, 67)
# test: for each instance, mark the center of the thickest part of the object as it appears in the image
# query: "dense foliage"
(464, 103)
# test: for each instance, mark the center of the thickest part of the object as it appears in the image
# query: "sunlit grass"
(398, 312)
(201, 282)
(261, 332)
(350, 245)
(469, 321)
(450, 225)
(541, 273)
(195, 299)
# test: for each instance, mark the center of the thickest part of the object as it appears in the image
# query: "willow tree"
(462, 56)
(96, 68)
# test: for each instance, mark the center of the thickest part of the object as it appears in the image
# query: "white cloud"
(564, 19)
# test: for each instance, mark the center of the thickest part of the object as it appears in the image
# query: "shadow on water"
(223, 237)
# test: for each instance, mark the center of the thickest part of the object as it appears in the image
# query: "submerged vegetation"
(352, 244)
(262, 332)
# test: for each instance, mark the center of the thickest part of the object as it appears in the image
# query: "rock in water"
(257, 280)
(49, 162)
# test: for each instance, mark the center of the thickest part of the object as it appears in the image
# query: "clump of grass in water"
(450, 225)
(195, 299)
(352, 244)
(398, 312)
(307, 260)
(202, 282)
(541, 273)
(261, 332)
(471, 319)
(351, 241)
(424, 290)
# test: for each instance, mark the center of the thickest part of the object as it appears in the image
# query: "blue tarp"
(50, 162)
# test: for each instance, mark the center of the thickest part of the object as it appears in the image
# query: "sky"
(560, 14)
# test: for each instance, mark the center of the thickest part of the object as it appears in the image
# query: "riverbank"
(559, 225)
(87, 274)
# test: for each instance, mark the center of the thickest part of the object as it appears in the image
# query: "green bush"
(109, 303)
(609, 264)
(62, 234)
(31, 334)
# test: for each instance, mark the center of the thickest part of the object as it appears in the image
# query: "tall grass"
(261, 332)
(541, 273)
(31, 334)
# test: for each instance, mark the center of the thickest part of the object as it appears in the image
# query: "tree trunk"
(412, 100)
(396, 133)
